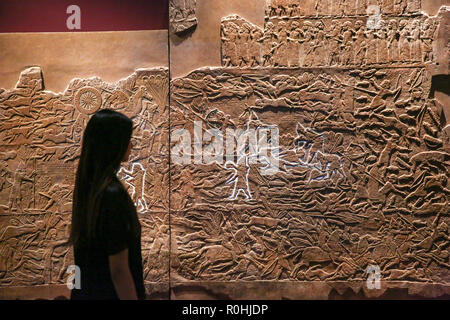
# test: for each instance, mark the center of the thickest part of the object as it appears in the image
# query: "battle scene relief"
(336, 97)
(361, 170)
(312, 154)
(41, 134)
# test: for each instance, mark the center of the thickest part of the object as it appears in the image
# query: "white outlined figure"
(267, 150)
(261, 146)
(331, 164)
(239, 178)
(310, 151)
(135, 179)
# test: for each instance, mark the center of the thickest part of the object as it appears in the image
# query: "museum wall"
(283, 148)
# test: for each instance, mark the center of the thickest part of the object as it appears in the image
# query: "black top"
(116, 218)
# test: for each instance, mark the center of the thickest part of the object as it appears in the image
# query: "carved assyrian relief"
(362, 177)
(33, 249)
(317, 8)
(41, 133)
(241, 42)
(362, 173)
(182, 15)
(290, 39)
(353, 173)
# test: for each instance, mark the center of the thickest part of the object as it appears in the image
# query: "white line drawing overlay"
(310, 151)
(135, 179)
(239, 178)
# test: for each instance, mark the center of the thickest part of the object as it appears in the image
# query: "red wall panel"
(96, 15)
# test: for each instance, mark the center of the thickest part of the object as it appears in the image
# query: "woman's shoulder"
(116, 199)
(114, 190)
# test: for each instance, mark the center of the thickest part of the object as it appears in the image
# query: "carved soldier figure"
(392, 41)
(332, 5)
(413, 6)
(371, 53)
(360, 43)
(273, 6)
(334, 43)
(267, 44)
(347, 44)
(400, 7)
(289, 11)
(21, 195)
(243, 44)
(427, 35)
(378, 103)
(388, 6)
(229, 50)
(349, 7)
(306, 47)
(321, 7)
(293, 44)
(294, 12)
(382, 41)
(320, 48)
(342, 9)
(301, 10)
(281, 8)
(255, 47)
(416, 50)
(405, 49)
(361, 7)
(280, 57)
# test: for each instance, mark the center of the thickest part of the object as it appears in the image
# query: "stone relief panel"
(362, 177)
(241, 42)
(346, 163)
(290, 39)
(182, 16)
(354, 166)
(33, 249)
(296, 8)
(41, 135)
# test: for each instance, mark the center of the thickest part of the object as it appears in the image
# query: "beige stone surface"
(431, 7)
(65, 56)
(305, 290)
(40, 134)
(361, 154)
(359, 134)
(202, 47)
(154, 291)
(45, 292)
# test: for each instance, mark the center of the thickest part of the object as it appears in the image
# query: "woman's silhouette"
(105, 231)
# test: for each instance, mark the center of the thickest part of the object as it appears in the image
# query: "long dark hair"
(105, 142)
